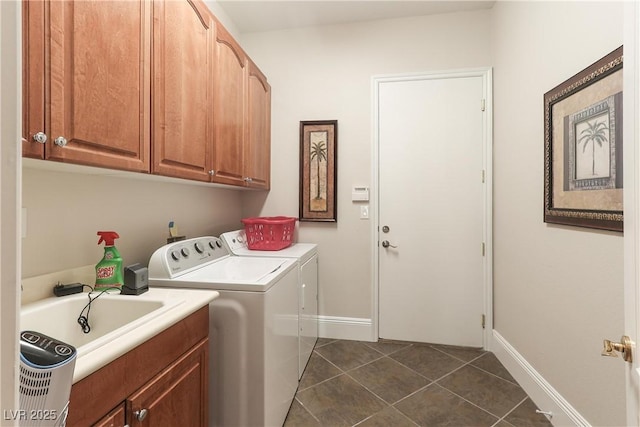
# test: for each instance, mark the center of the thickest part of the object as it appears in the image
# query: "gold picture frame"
(583, 147)
(318, 170)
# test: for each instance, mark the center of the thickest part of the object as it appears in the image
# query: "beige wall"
(65, 210)
(558, 291)
(324, 73)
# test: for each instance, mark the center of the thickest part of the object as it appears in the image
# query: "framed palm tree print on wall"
(583, 147)
(318, 178)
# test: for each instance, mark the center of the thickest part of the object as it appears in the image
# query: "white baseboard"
(541, 392)
(345, 328)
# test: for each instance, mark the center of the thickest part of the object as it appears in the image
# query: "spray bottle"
(109, 269)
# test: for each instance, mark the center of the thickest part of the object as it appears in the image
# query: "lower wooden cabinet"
(162, 382)
(115, 418)
(176, 397)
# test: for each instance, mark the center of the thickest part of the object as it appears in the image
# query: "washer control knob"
(199, 248)
(185, 252)
(212, 245)
(218, 244)
(175, 255)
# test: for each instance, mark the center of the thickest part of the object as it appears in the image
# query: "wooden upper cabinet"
(229, 109)
(143, 85)
(182, 89)
(98, 109)
(33, 67)
(258, 151)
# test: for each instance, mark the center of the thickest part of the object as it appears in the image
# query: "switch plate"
(364, 212)
(360, 194)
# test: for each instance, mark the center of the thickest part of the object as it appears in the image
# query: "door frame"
(487, 142)
(631, 194)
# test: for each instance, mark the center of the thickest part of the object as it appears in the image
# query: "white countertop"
(176, 304)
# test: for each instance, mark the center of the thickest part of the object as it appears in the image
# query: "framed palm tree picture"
(318, 177)
(583, 147)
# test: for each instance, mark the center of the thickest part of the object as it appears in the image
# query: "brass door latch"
(612, 349)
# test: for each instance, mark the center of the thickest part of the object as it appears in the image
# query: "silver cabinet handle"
(386, 244)
(60, 141)
(212, 172)
(40, 137)
(141, 414)
(247, 179)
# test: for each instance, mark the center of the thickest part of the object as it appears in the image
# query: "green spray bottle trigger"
(109, 269)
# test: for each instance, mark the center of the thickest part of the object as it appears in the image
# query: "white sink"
(118, 322)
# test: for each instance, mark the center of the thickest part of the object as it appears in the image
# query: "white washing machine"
(253, 338)
(307, 256)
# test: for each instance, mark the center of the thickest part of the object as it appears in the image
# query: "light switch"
(364, 212)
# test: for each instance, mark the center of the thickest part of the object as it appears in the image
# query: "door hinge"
(483, 321)
(483, 176)
(483, 105)
(483, 249)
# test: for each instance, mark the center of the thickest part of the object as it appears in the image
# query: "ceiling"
(267, 15)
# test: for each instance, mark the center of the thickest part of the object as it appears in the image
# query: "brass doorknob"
(612, 349)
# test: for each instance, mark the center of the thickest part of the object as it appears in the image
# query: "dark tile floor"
(393, 383)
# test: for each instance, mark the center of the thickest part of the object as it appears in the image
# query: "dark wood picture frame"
(318, 171)
(583, 147)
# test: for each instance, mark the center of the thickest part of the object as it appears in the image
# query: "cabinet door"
(308, 313)
(258, 155)
(99, 83)
(229, 109)
(33, 42)
(115, 418)
(182, 89)
(178, 396)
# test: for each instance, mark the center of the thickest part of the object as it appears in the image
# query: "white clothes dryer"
(307, 256)
(253, 340)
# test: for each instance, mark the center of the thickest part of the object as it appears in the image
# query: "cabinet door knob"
(60, 141)
(212, 172)
(40, 137)
(141, 414)
(248, 179)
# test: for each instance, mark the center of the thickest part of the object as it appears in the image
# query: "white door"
(431, 209)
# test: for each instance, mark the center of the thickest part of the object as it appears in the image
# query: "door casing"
(631, 196)
(487, 141)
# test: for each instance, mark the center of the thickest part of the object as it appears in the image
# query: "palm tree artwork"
(596, 133)
(318, 156)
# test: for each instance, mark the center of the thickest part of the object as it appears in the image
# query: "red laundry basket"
(269, 233)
